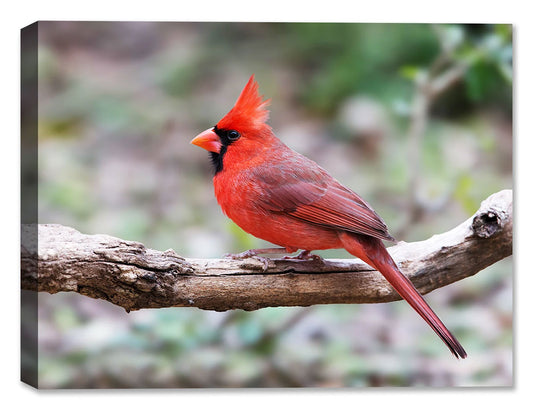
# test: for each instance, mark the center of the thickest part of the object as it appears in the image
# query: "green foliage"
(71, 196)
(463, 193)
(338, 60)
(178, 78)
(490, 55)
(482, 81)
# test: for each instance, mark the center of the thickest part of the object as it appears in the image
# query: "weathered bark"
(128, 274)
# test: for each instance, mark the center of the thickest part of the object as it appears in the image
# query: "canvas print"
(235, 205)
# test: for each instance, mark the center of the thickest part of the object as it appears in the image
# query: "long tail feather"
(373, 252)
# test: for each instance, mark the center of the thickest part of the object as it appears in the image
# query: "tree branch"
(128, 274)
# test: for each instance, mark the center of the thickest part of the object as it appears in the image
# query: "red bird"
(278, 195)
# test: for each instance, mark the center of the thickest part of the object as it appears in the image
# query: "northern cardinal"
(278, 195)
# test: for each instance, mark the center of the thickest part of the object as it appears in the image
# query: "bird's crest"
(249, 112)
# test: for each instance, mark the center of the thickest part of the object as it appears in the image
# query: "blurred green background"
(119, 103)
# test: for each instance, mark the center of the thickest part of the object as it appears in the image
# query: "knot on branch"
(485, 225)
(493, 214)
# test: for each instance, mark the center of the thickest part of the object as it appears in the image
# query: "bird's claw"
(243, 255)
(251, 253)
(305, 256)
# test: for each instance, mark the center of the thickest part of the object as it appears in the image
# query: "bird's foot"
(243, 255)
(305, 256)
(254, 253)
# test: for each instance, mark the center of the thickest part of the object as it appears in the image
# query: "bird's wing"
(312, 195)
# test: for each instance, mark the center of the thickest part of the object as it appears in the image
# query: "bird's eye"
(233, 135)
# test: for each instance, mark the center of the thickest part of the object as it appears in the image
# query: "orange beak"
(208, 140)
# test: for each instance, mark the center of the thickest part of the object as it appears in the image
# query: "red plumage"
(278, 195)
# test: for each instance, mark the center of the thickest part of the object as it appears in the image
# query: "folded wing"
(311, 194)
